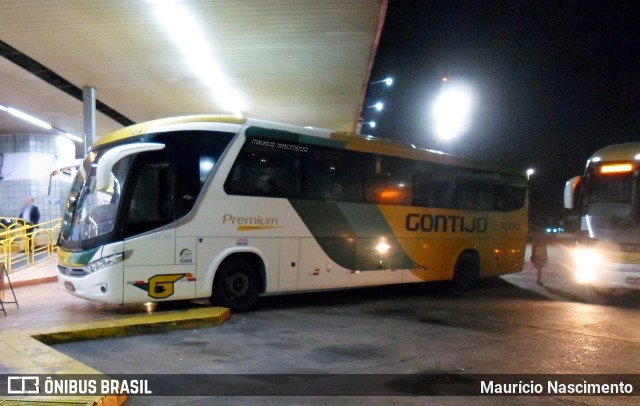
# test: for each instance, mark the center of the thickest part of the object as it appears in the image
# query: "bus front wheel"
(236, 285)
(466, 272)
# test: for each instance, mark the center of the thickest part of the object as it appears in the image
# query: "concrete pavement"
(508, 325)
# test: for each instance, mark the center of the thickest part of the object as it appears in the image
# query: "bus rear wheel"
(466, 272)
(236, 285)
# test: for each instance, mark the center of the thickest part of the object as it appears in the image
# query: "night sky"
(554, 82)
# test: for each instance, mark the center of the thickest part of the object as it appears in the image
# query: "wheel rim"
(236, 285)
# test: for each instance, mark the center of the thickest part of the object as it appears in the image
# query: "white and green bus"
(607, 199)
(229, 209)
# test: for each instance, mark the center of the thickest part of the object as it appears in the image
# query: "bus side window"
(474, 195)
(152, 198)
(332, 175)
(475, 190)
(239, 181)
(510, 194)
(264, 171)
(388, 180)
(211, 146)
(435, 186)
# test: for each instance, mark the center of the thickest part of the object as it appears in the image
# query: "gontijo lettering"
(442, 223)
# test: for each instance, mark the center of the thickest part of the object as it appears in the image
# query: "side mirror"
(570, 192)
(105, 165)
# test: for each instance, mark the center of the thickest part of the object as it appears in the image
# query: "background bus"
(607, 199)
(227, 208)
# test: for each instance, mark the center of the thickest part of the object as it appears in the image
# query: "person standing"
(30, 213)
(539, 255)
(31, 216)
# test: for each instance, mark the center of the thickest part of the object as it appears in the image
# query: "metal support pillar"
(89, 110)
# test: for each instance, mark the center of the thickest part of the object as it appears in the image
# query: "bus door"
(154, 270)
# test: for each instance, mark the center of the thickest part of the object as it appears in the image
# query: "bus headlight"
(587, 260)
(97, 265)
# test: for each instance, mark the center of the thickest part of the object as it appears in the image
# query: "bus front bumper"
(103, 286)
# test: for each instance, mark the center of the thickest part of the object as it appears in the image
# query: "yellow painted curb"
(27, 352)
(133, 325)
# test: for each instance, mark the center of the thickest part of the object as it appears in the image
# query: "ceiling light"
(186, 33)
(72, 137)
(26, 117)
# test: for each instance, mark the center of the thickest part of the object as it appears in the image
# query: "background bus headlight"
(587, 262)
(97, 265)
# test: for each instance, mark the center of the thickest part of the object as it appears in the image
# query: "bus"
(607, 200)
(230, 209)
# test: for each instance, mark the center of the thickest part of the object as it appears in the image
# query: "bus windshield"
(611, 189)
(159, 186)
(89, 212)
(610, 201)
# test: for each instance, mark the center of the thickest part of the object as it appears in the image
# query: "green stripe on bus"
(82, 258)
(366, 220)
(372, 228)
(326, 222)
(349, 234)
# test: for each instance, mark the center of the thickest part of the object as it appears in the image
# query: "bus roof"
(619, 152)
(148, 126)
(346, 140)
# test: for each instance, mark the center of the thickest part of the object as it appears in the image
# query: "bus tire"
(236, 285)
(466, 271)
